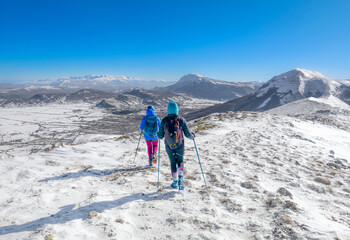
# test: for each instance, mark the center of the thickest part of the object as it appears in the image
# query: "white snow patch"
(265, 102)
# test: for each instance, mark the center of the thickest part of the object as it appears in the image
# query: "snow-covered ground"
(26, 129)
(268, 177)
(29, 129)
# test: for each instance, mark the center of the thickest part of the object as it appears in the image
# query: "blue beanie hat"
(172, 108)
(150, 107)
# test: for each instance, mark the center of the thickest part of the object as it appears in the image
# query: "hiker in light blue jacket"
(150, 126)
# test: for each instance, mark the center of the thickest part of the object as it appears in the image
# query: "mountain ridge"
(199, 86)
(288, 87)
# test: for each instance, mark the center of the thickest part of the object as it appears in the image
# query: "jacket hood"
(150, 112)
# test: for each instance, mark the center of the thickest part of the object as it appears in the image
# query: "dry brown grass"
(49, 149)
(92, 214)
(290, 205)
(115, 177)
(191, 177)
(202, 125)
(153, 183)
(75, 144)
(122, 138)
(287, 220)
(49, 237)
(230, 205)
(152, 169)
(323, 180)
(272, 202)
(86, 167)
(119, 220)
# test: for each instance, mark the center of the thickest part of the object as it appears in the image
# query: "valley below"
(30, 129)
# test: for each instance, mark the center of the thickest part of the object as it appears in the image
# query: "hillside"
(285, 88)
(269, 177)
(42, 99)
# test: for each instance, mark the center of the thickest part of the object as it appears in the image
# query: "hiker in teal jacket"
(173, 128)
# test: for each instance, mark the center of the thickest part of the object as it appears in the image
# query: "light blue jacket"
(149, 112)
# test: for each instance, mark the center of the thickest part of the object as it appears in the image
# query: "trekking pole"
(137, 147)
(199, 161)
(158, 160)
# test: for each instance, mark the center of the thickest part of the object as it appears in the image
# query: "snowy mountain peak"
(196, 78)
(199, 86)
(102, 77)
(300, 74)
(99, 78)
(296, 84)
(192, 77)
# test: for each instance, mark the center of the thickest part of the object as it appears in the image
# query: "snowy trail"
(268, 177)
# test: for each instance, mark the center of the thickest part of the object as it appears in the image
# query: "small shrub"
(122, 138)
(273, 202)
(92, 214)
(284, 192)
(119, 220)
(49, 237)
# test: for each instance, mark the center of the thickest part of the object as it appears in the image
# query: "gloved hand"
(193, 135)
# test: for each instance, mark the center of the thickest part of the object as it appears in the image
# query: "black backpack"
(173, 132)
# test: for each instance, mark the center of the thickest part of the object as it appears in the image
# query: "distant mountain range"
(291, 87)
(198, 86)
(192, 85)
(63, 85)
(100, 82)
(84, 95)
(107, 83)
(139, 98)
(288, 87)
(10, 86)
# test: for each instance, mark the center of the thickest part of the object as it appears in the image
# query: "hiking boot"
(154, 159)
(174, 184)
(150, 162)
(181, 186)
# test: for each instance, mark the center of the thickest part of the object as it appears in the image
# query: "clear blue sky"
(228, 40)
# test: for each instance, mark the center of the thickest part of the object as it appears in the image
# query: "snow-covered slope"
(299, 84)
(269, 177)
(199, 86)
(312, 105)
